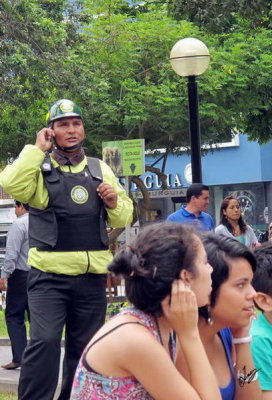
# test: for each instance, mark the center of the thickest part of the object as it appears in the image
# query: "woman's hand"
(181, 309)
(244, 331)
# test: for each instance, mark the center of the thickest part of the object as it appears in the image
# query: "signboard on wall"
(161, 193)
(125, 157)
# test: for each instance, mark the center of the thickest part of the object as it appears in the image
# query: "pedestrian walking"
(14, 275)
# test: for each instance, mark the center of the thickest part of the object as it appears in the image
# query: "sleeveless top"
(90, 385)
(228, 392)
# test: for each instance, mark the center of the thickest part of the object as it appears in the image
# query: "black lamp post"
(190, 58)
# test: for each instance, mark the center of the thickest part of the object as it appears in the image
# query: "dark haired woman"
(224, 325)
(233, 225)
(132, 356)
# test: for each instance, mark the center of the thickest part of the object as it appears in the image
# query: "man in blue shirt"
(198, 198)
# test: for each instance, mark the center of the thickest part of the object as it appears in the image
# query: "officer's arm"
(23, 179)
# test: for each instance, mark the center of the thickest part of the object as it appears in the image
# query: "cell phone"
(52, 139)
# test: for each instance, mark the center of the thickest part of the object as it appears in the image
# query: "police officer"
(71, 199)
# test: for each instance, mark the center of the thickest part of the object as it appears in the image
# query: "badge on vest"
(79, 194)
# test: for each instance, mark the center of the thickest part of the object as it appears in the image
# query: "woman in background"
(132, 356)
(233, 225)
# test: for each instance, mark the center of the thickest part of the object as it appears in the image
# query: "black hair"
(262, 280)
(220, 249)
(195, 190)
(18, 204)
(223, 218)
(153, 261)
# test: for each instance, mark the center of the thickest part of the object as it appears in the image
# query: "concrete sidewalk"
(9, 378)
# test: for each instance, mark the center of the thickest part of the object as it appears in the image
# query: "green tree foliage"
(242, 67)
(33, 49)
(222, 16)
(112, 59)
(147, 99)
(142, 97)
(240, 43)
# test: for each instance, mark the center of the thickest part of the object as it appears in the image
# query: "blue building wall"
(266, 158)
(247, 162)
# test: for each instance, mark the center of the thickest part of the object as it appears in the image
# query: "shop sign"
(125, 157)
(152, 181)
(161, 193)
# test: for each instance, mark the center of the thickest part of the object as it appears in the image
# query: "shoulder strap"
(111, 330)
(95, 168)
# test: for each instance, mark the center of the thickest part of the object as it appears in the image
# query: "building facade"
(240, 167)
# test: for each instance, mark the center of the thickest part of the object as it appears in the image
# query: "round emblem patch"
(67, 106)
(79, 194)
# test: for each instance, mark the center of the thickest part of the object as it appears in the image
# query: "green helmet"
(62, 109)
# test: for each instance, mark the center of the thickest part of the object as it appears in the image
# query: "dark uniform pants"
(55, 301)
(15, 313)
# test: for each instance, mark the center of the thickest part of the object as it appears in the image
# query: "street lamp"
(189, 58)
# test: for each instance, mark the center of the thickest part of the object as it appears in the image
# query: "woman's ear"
(263, 301)
(186, 276)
